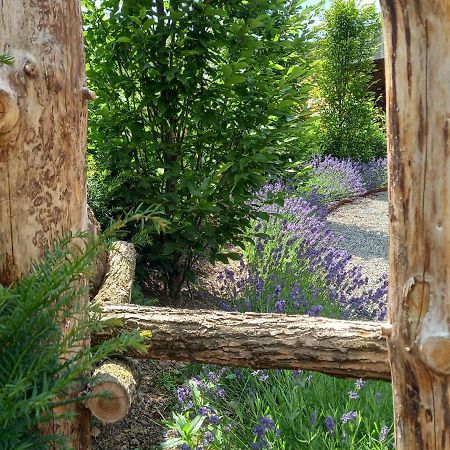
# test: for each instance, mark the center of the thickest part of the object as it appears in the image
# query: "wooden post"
(417, 50)
(42, 142)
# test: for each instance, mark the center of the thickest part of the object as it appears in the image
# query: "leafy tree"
(199, 103)
(351, 125)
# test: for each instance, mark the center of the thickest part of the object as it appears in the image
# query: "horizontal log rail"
(261, 341)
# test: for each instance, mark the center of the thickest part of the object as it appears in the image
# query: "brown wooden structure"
(42, 195)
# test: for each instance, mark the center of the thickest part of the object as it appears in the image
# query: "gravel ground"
(363, 226)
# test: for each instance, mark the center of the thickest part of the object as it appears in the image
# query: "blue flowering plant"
(331, 179)
(280, 409)
(294, 267)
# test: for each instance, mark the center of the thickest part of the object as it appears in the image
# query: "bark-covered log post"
(42, 144)
(417, 51)
(119, 275)
(262, 341)
(117, 377)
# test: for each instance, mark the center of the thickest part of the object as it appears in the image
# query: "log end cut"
(118, 380)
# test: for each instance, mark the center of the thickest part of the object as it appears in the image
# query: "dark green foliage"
(351, 126)
(33, 376)
(198, 103)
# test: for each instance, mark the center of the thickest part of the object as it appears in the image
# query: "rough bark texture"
(42, 142)
(119, 277)
(341, 348)
(101, 261)
(118, 379)
(417, 40)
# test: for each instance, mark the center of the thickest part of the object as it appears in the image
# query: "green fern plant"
(33, 375)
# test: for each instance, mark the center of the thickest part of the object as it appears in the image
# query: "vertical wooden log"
(417, 51)
(42, 142)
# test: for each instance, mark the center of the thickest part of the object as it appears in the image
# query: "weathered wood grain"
(43, 122)
(417, 50)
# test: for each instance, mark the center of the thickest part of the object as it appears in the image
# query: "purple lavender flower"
(220, 392)
(259, 445)
(334, 178)
(259, 431)
(229, 273)
(213, 377)
(267, 422)
(353, 395)
(214, 419)
(204, 410)
(280, 306)
(313, 418)
(383, 433)
(315, 310)
(378, 397)
(184, 394)
(329, 424)
(185, 447)
(359, 383)
(208, 438)
(260, 374)
(352, 415)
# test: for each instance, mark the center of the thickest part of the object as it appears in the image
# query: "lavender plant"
(332, 179)
(294, 267)
(262, 409)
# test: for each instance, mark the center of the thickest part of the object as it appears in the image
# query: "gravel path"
(363, 226)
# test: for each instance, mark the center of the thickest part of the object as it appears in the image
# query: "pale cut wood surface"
(417, 49)
(42, 144)
(118, 379)
(275, 341)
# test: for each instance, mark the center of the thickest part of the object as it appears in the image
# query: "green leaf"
(124, 39)
(143, 12)
(196, 424)
(174, 442)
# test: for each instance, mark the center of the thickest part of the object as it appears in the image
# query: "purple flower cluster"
(264, 425)
(184, 396)
(297, 268)
(374, 173)
(333, 179)
(383, 433)
(347, 417)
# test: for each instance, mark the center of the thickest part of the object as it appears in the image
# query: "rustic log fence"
(43, 195)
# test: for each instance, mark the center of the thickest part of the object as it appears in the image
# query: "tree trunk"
(42, 144)
(263, 341)
(417, 49)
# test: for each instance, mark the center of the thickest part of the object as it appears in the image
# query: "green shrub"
(198, 103)
(34, 376)
(350, 124)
